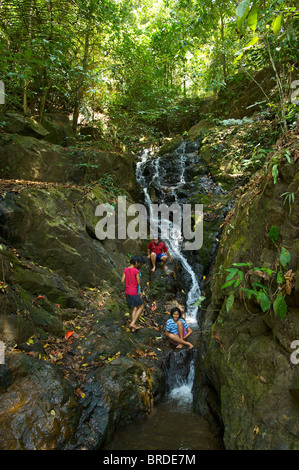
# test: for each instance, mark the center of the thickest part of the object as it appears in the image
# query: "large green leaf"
(242, 11)
(280, 306)
(284, 257)
(230, 302)
(273, 233)
(265, 302)
(252, 19)
(228, 283)
(276, 24)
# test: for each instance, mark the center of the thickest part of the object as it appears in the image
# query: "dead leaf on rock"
(262, 379)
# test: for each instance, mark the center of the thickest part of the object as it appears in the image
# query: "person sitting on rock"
(158, 252)
(178, 330)
(131, 277)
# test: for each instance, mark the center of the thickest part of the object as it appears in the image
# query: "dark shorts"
(134, 300)
(160, 256)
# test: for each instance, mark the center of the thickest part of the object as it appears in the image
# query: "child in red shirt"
(131, 278)
(157, 251)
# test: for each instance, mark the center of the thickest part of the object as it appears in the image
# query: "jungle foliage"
(130, 57)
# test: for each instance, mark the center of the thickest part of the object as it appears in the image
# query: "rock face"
(248, 378)
(73, 370)
(30, 152)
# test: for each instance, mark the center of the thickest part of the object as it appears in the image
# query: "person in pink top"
(131, 277)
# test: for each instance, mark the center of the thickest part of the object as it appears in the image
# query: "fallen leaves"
(289, 281)
(262, 379)
(39, 297)
(69, 334)
(78, 393)
(147, 353)
(3, 286)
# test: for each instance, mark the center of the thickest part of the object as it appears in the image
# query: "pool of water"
(172, 425)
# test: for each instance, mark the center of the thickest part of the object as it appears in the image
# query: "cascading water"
(152, 175)
(167, 192)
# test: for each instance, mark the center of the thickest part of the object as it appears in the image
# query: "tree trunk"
(222, 47)
(79, 90)
(25, 91)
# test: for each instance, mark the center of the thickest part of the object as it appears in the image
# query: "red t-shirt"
(158, 249)
(131, 281)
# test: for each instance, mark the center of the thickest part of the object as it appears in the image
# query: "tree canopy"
(139, 56)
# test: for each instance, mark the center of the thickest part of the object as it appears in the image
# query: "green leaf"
(227, 284)
(280, 278)
(199, 301)
(238, 58)
(265, 302)
(252, 42)
(280, 306)
(242, 11)
(276, 25)
(250, 293)
(243, 264)
(273, 233)
(259, 284)
(232, 273)
(230, 302)
(284, 257)
(252, 19)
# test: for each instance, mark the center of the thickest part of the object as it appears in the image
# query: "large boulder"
(29, 158)
(55, 226)
(19, 124)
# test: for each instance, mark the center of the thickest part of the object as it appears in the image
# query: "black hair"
(137, 259)
(175, 309)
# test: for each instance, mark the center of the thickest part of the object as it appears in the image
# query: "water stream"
(172, 425)
(166, 188)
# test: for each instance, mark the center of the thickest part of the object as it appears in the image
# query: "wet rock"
(26, 426)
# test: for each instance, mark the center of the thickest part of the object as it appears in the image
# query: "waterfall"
(180, 378)
(157, 179)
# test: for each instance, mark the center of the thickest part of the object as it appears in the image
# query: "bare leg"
(164, 260)
(177, 339)
(137, 312)
(153, 260)
(181, 333)
(133, 314)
